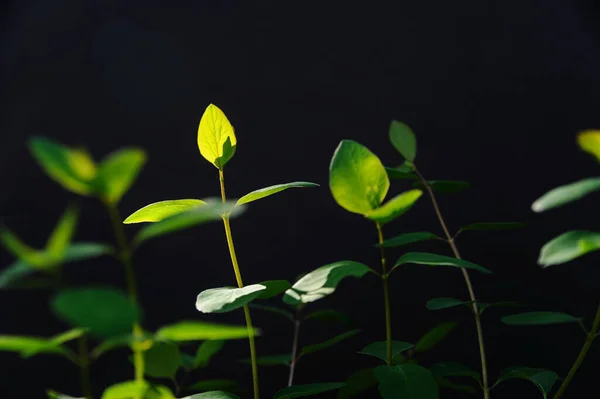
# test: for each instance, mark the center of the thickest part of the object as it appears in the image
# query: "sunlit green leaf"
(330, 342)
(72, 169)
(493, 226)
(409, 238)
(273, 309)
(395, 207)
(212, 385)
(443, 370)
(226, 299)
(421, 258)
(273, 288)
(379, 349)
(357, 178)
(161, 210)
(55, 341)
(211, 211)
(404, 140)
(272, 360)
(434, 336)
(117, 173)
(206, 351)
(300, 391)
(200, 331)
(589, 141)
(216, 137)
(444, 186)
(63, 233)
(357, 383)
(104, 312)
(120, 341)
(542, 379)
(568, 246)
(323, 281)
(562, 195)
(408, 381)
(28, 344)
(137, 389)
(539, 318)
(330, 316)
(20, 250)
(265, 192)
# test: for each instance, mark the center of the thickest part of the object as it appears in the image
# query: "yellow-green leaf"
(265, 192)
(216, 137)
(200, 331)
(395, 207)
(22, 251)
(117, 173)
(158, 211)
(589, 141)
(136, 390)
(63, 233)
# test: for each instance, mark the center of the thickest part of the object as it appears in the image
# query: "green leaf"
(10, 276)
(542, 379)
(28, 344)
(589, 141)
(434, 336)
(200, 331)
(401, 172)
(409, 238)
(395, 207)
(211, 385)
(323, 281)
(63, 233)
(379, 349)
(273, 309)
(539, 318)
(357, 178)
(308, 349)
(274, 288)
(357, 383)
(272, 360)
(161, 210)
(404, 140)
(444, 383)
(330, 316)
(56, 395)
(105, 312)
(213, 394)
(407, 381)
(216, 137)
(55, 341)
(117, 173)
(125, 340)
(421, 258)
(300, 391)
(22, 251)
(562, 195)
(493, 226)
(265, 192)
(162, 360)
(444, 186)
(226, 299)
(206, 351)
(137, 389)
(85, 250)
(443, 370)
(443, 303)
(211, 211)
(568, 246)
(72, 169)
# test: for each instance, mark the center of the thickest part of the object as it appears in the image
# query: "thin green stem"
(238, 277)
(295, 340)
(125, 257)
(84, 367)
(476, 312)
(386, 297)
(591, 335)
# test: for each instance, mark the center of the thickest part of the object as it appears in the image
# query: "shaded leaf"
(55, 341)
(162, 360)
(323, 281)
(200, 331)
(443, 370)
(300, 391)
(444, 383)
(562, 195)
(56, 395)
(104, 312)
(434, 336)
(401, 172)
(226, 299)
(85, 250)
(273, 288)
(443, 303)
(206, 351)
(589, 141)
(493, 226)
(444, 186)
(267, 191)
(117, 173)
(125, 340)
(568, 246)
(404, 140)
(330, 342)
(395, 207)
(273, 309)
(357, 383)
(421, 258)
(216, 137)
(357, 178)
(161, 210)
(408, 381)
(272, 360)
(539, 318)
(211, 385)
(409, 238)
(379, 349)
(331, 316)
(542, 379)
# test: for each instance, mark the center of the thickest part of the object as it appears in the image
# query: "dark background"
(495, 91)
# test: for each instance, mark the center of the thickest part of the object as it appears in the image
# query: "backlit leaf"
(226, 299)
(407, 381)
(63, 233)
(421, 258)
(121, 341)
(200, 331)
(206, 351)
(404, 140)
(539, 318)
(137, 389)
(542, 379)
(216, 137)
(562, 195)
(161, 210)
(379, 349)
(300, 391)
(395, 207)
(27, 344)
(409, 238)
(589, 141)
(117, 173)
(55, 341)
(357, 178)
(434, 336)
(267, 191)
(22, 251)
(330, 342)
(162, 360)
(568, 246)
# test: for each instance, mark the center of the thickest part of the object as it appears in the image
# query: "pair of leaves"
(359, 183)
(421, 258)
(76, 171)
(543, 379)
(323, 281)
(226, 299)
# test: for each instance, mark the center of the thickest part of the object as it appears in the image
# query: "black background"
(495, 91)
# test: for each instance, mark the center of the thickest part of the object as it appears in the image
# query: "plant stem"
(386, 297)
(591, 335)
(476, 312)
(238, 277)
(125, 257)
(297, 322)
(84, 367)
